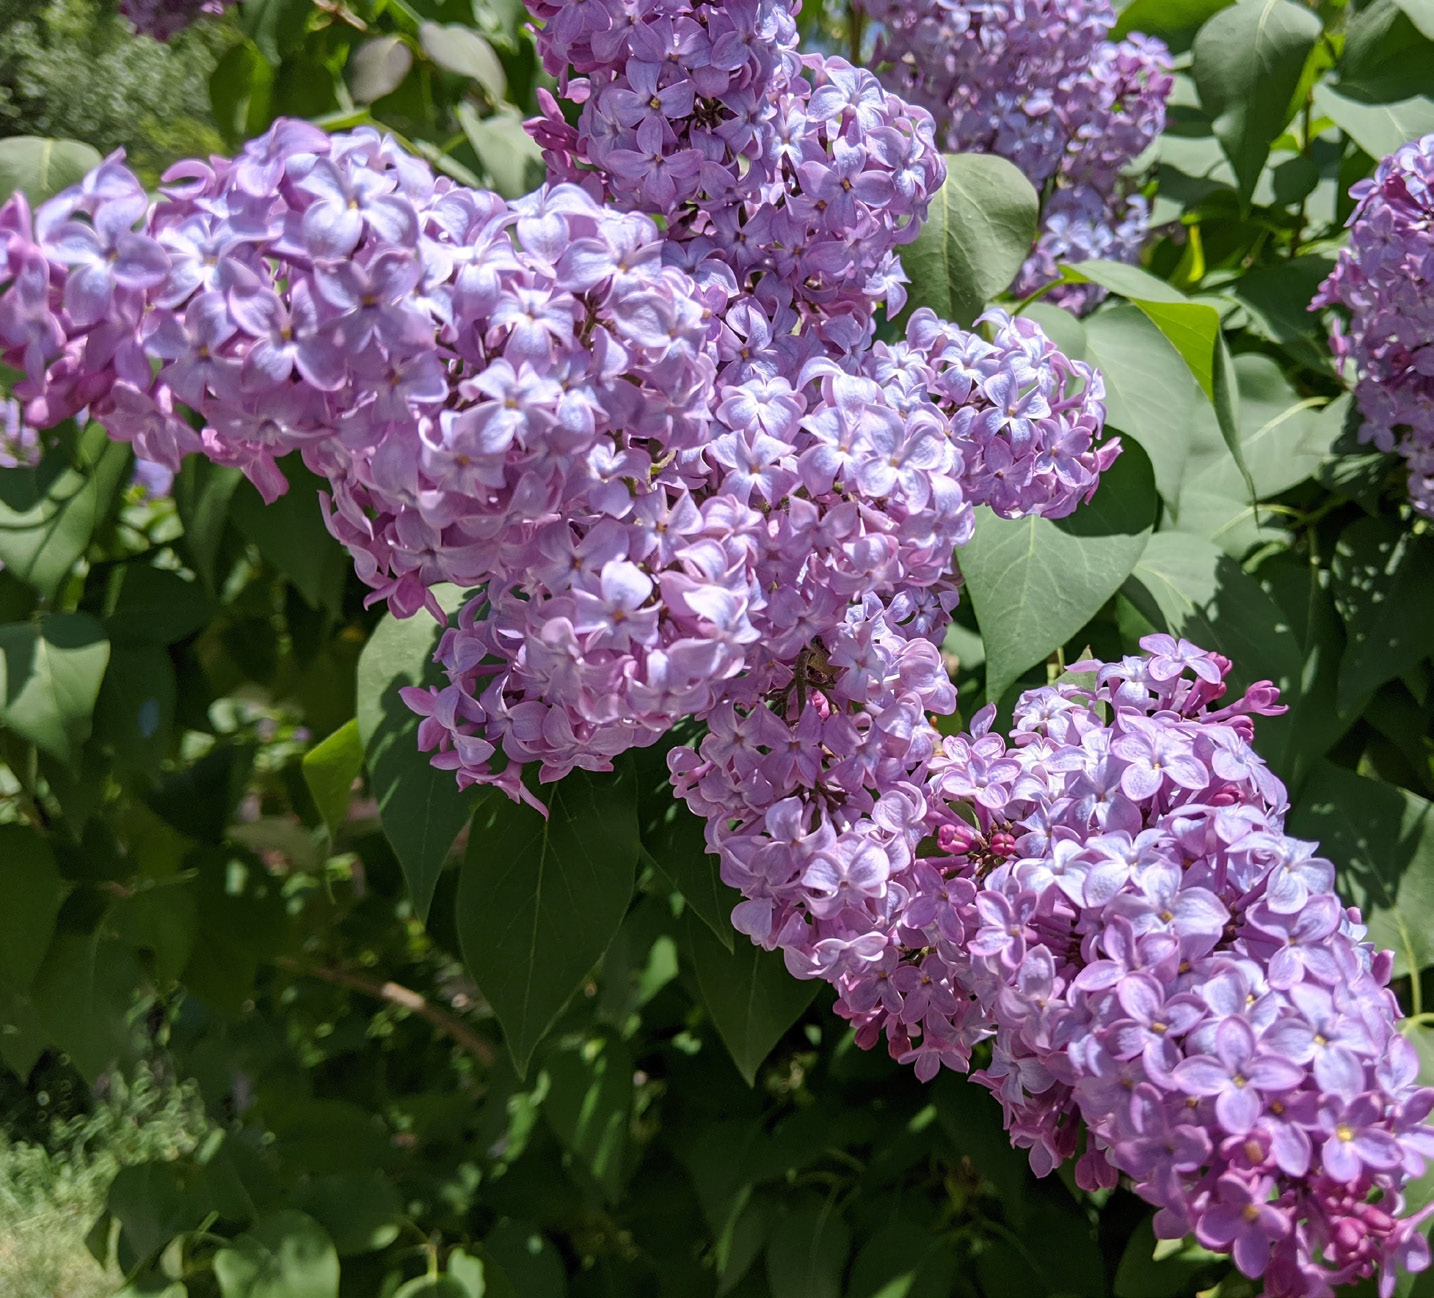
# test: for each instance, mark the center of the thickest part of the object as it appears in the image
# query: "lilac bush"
(1040, 84)
(1385, 282)
(641, 414)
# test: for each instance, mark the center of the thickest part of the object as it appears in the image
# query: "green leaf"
(1421, 14)
(749, 994)
(48, 513)
(155, 1201)
(30, 894)
(1174, 21)
(510, 156)
(83, 993)
(461, 50)
(1165, 1268)
(421, 807)
(1382, 588)
(524, 1261)
(979, 230)
(674, 842)
(154, 606)
(1227, 411)
(540, 897)
(1277, 297)
(902, 1260)
(1187, 586)
(1378, 129)
(287, 1255)
(1296, 742)
(589, 1104)
(1231, 523)
(1385, 56)
(435, 1286)
(202, 492)
(162, 920)
(290, 534)
(41, 168)
(153, 1288)
(50, 674)
(361, 1213)
(480, 1276)
(1034, 583)
(1149, 390)
(1248, 64)
(330, 769)
(1283, 437)
(1192, 328)
(807, 1252)
(240, 89)
(1381, 840)
(134, 714)
(378, 67)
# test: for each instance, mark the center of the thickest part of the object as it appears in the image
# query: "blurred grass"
(52, 1190)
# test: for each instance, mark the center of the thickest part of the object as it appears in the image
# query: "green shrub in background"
(73, 69)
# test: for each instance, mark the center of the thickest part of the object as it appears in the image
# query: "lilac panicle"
(1385, 282)
(798, 172)
(1108, 901)
(1039, 83)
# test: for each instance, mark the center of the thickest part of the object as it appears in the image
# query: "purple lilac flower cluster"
(1385, 280)
(798, 173)
(744, 561)
(161, 19)
(1110, 902)
(657, 486)
(1039, 83)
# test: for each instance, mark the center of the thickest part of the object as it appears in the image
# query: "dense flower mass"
(1385, 280)
(1109, 900)
(798, 172)
(162, 19)
(657, 485)
(1041, 84)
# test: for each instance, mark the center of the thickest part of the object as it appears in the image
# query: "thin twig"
(404, 997)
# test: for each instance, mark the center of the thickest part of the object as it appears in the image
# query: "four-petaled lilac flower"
(106, 254)
(1238, 1074)
(1245, 1222)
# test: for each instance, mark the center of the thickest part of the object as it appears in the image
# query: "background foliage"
(384, 1038)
